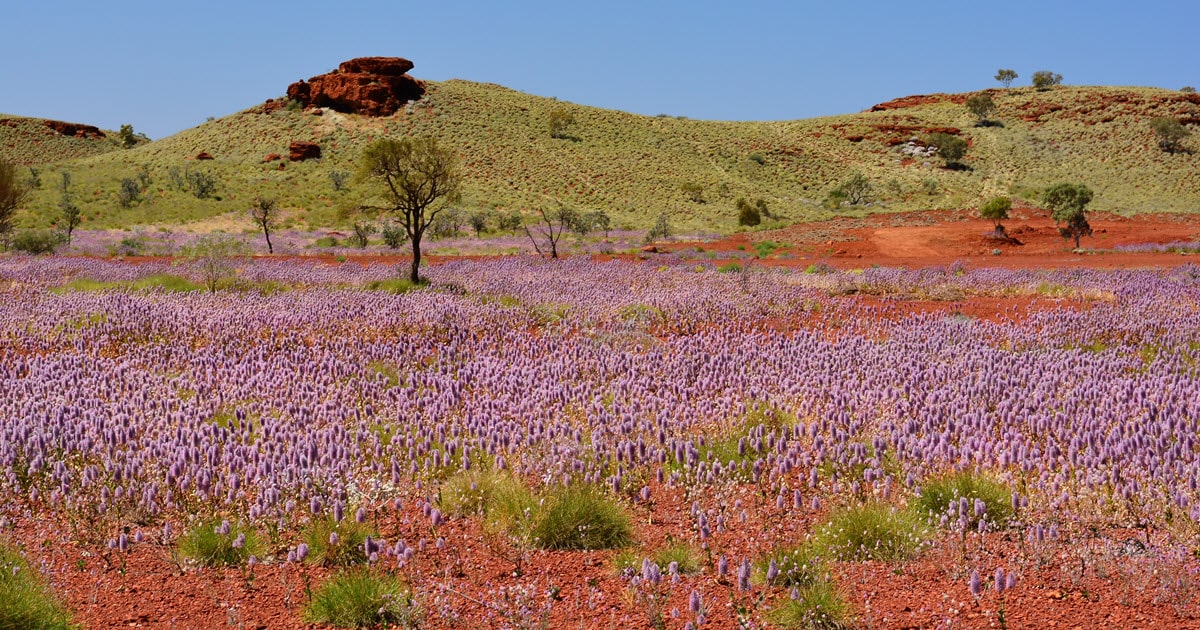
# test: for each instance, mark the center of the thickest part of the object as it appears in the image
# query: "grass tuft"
(581, 517)
(937, 494)
(348, 550)
(799, 565)
(205, 545)
(818, 606)
(361, 598)
(870, 532)
(26, 601)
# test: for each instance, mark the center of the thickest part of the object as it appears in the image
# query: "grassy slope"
(28, 141)
(633, 166)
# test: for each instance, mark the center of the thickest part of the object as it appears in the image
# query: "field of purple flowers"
(300, 393)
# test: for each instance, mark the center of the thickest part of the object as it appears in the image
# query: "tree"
(996, 211)
(1067, 203)
(202, 184)
(12, 195)
(600, 220)
(856, 191)
(511, 222)
(417, 178)
(129, 138)
(339, 179)
(1187, 89)
(69, 215)
(1006, 76)
(362, 233)
(748, 214)
(694, 191)
(1170, 133)
(1044, 80)
(479, 223)
(560, 122)
(554, 224)
(214, 255)
(950, 147)
(129, 192)
(982, 106)
(661, 229)
(265, 213)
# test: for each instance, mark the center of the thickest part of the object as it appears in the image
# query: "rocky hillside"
(36, 141)
(637, 167)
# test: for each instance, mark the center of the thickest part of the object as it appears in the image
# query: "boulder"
(272, 157)
(204, 155)
(371, 86)
(75, 130)
(300, 151)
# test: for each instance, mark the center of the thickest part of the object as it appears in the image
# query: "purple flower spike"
(722, 566)
(999, 581)
(694, 602)
(744, 575)
(975, 585)
(301, 552)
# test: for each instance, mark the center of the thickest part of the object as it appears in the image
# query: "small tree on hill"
(1170, 133)
(416, 179)
(694, 191)
(12, 195)
(1068, 203)
(600, 220)
(265, 214)
(996, 211)
(982, 106)
(855, 191)
(69, 215)
(1006, 76)
(1044, 80)
(560, 122)
(1187, 89)
(748, 214)
(127, 137)
(950, 147)
(479, 223)
(214, 256)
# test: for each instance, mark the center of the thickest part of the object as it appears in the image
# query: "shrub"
(1170, 133)
(215, 543)
(580, 517)
(996, 210)
(694, 191)
(36, 241)
(870, 532)
(362, 234)
(748, 215)
(819, 606)
(560, 122)
(339, 179)
(982, 106)
(937, 494)
(950, 147)
(343, 550)
(362, 598)
(1068, 203)
(129, 192)
(393, 235)
(480, 493)
(1044, 80)
(394, 285)
(856, 191)
(202, 184)
(26, 601)
(683, 554)
(660, 231)
(1006, 76)
(1187, 89)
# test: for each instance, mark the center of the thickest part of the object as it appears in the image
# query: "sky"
(165, 66)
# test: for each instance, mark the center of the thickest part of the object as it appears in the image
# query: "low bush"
(394, 285)
(336, 543)
(215, 543)
(873, 531)
(937, 494)
(581, 517)
(361, 598)
(798, 565)
(819, 606)
(36, 241)
(484, 493)
(26, 601)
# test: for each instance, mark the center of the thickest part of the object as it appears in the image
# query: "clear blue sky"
(165, 66)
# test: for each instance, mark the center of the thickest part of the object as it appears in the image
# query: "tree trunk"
(416, 260)
(270, 250)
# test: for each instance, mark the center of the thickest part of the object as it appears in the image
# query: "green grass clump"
(206, 545)
(493, 494)
(362, 598)
(581, 517)
(348, 550)
(818, 606)
(799, 565)
(26, 601)
(873, 531)
(936, 495)
(394, 285)
(162, 282)
(629, 561)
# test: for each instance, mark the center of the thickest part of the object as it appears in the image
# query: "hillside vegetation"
(638, 167)
(36, 141)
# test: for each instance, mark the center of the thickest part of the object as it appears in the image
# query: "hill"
(636, 167)
(38, 141)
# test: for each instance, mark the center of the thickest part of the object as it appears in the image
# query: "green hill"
(635, 167)
(37, 141)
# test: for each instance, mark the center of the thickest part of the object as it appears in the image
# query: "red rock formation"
(271, 157)
(372, 86)
(300, 151)
(204, 155)
(74, 129)
(919, 99)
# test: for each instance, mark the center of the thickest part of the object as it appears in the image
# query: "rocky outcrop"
(272, 157)
(204, 155)
(75, 130)
(372, 86)
(300, 151)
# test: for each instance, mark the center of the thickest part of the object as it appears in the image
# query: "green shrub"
(798, 565)
(580, 517)
(36, 241)
(326, 241)
(682, 553)
(730, 268)
(362, 598)
(936, 495)
(819, 606)
(214, 543)
(870, 532)
(26, 602)
(483, 493)
(348, 550)
(394, 285)
(748, 215)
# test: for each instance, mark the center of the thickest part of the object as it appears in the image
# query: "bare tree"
(70, 215)
(418, 178)
(265, 213)
(555, 223)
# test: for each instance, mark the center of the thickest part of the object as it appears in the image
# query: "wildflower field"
(584, 444)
